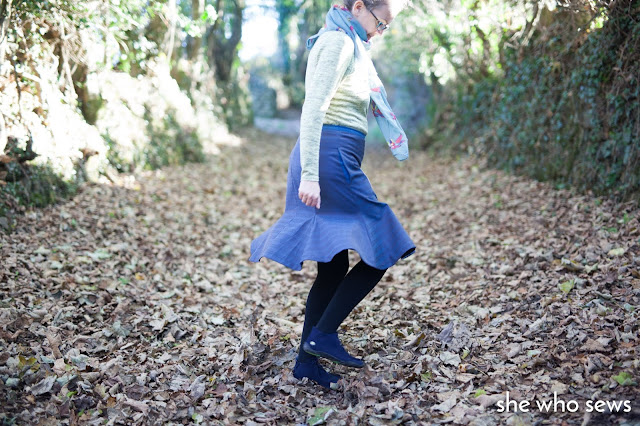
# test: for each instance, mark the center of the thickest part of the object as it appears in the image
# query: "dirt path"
(136, 303)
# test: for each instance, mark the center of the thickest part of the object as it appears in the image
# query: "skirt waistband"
(336, 128)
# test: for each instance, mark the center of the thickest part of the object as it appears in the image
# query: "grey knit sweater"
(336, 92)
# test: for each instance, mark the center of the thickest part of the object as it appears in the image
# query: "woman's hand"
(309, 193)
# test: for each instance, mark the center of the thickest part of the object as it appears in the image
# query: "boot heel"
(314, 371)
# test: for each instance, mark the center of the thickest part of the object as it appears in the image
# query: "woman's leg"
(353, 288)
(330, 275)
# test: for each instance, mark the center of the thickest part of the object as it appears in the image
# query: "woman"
(340, 85)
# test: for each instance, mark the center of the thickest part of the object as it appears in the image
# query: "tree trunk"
(286, 10)
(222, 40)
(222, 50)
(5, 15)
(171, 33)
(195, 43)
(3, 134)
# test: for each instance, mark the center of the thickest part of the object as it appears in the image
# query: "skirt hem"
(297, 266)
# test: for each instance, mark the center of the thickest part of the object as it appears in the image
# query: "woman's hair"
(372, 4)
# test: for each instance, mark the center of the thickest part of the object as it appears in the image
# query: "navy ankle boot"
(327, 345)
(312, 370)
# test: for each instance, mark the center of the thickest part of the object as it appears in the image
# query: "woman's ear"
(358, 7)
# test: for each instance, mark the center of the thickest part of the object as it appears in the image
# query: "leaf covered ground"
(135, 303)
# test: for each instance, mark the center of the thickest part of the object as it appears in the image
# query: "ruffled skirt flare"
(350, 215)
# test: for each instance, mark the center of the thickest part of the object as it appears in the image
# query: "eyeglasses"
(381, 26)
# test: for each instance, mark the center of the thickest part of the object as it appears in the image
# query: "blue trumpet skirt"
(350, 215)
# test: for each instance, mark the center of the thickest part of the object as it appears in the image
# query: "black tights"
(335, 293)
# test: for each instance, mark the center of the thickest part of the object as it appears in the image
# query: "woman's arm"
(328, 62)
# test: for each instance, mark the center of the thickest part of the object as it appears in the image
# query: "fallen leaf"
(43, 386)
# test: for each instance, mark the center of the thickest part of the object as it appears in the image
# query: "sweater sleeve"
(328, 62)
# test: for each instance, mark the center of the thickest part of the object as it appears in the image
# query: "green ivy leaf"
(567, 286)
(320, 415)
(616, 251)
(625, 379)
